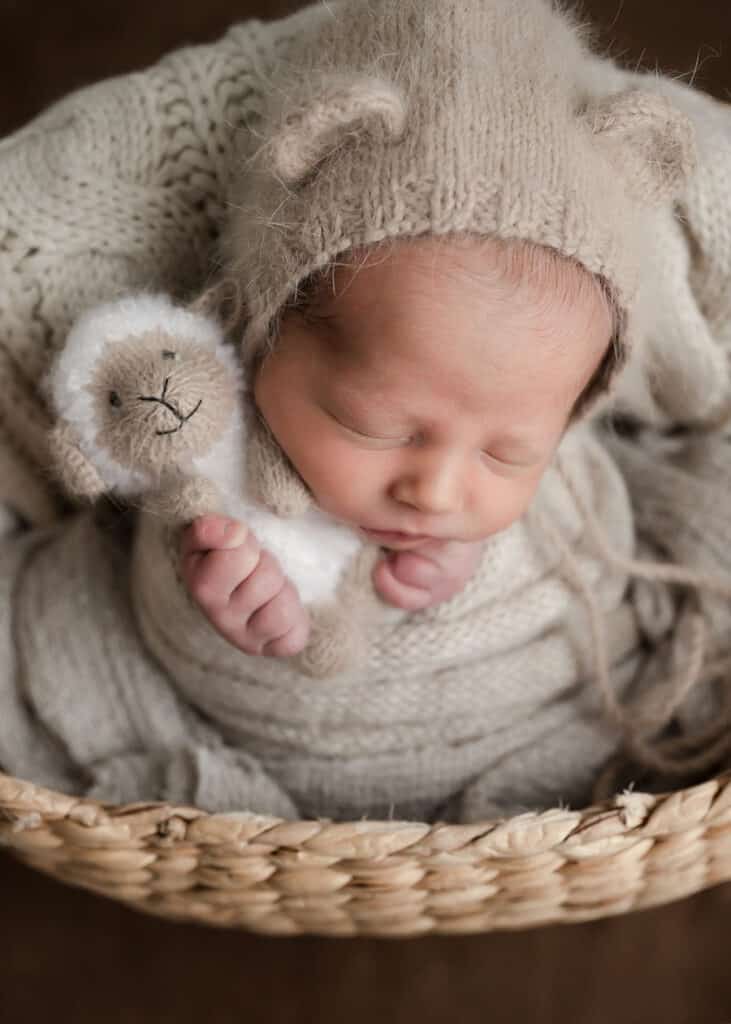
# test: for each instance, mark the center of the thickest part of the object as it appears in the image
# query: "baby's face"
(421, 398)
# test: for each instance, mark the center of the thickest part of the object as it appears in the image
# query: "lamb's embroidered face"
(159, 400)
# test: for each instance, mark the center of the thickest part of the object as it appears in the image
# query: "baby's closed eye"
(510, 461)
(505, 461)
(367, 433)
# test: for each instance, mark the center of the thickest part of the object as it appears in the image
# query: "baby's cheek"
(347, 500)
(344, 483)
(503, 502)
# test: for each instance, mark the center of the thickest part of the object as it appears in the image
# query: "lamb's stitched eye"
(114, 399)
(167, 354)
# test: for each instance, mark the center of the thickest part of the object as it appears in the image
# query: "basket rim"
(385, 879)
(572, 832)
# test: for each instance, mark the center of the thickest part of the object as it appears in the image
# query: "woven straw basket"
(377, 878)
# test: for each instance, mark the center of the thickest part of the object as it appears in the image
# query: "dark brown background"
(71, 957)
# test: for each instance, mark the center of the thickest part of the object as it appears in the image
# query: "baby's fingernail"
(234, 533)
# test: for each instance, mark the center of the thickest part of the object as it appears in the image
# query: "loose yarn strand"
(655, 571)
(656, 709)
(572, 573)
(649, 715)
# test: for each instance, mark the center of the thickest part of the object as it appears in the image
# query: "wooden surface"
(71, 957)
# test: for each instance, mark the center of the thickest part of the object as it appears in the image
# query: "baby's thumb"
(404, 579)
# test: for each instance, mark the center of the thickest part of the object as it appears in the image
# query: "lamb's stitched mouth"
(168, 405)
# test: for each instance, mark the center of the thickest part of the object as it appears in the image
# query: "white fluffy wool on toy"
(313, 549)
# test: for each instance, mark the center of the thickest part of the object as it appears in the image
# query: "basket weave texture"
(377, 878)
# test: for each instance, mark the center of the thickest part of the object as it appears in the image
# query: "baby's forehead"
(505, 270)
(446, 307)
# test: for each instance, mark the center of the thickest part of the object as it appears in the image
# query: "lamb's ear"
(650, 141)
(71, 467)
(336, 108)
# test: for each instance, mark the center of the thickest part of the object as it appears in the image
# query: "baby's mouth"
(396, 536)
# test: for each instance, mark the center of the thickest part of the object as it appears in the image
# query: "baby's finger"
(207, 533)
(278, 616)
(252, 593)
(396, 592)
(213, 576)
(291, 643)
(415, 570)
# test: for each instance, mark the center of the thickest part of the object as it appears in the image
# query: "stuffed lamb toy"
(150, 405)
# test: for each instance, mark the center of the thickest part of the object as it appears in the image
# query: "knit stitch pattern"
(119, 187)
(398, 118)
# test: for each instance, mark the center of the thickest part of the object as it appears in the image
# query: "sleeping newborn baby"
(420, 390)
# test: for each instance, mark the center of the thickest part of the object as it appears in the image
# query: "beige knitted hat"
(398, 118)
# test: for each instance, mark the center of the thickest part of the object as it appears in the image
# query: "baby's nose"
(434, 486)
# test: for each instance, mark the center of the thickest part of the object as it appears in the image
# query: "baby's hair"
(511, 262)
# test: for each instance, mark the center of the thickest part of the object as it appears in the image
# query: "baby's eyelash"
(376, 437)
(488, 456)
(495, 458)
(368, 437)
(380, 437)
(504, 464)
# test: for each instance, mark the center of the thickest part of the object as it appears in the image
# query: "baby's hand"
(426, 576)
(241, 589)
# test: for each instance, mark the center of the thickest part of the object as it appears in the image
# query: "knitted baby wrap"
(446, 695)
(147, 676)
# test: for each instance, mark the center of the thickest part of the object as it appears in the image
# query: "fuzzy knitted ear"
(650, 141)
(338, 107)
(77, 475)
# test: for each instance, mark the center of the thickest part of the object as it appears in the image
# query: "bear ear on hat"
(338, 107)
(649, 140)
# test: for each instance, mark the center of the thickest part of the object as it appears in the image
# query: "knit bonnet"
(399, 118)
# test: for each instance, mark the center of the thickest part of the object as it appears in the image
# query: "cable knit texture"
(119, 187)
